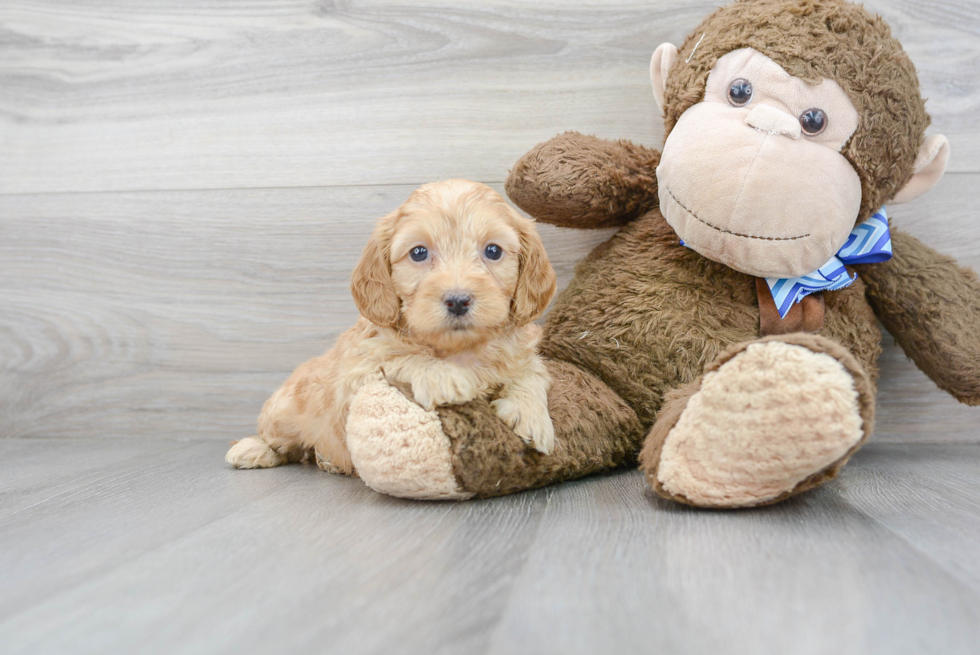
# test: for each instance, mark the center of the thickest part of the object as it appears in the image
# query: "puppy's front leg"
(523, 405)
(434, 381)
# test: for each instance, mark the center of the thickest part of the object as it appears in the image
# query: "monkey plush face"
(788, 122)
(753, 177)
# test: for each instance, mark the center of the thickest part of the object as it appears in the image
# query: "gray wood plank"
(812, 575)
(28, 466)
(174, 552)
(99, 96)
(928, 495)
(163, 315)
(175, 314)
(98, 521)
(135, 318)
(184, 554)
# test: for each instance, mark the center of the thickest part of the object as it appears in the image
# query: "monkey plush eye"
(813, 121)
(419, 254)
(740, 92)
(493, 251)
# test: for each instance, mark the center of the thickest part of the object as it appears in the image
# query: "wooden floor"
(143, 546)
(184, 189)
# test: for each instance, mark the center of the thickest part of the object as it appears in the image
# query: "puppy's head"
(453, 264)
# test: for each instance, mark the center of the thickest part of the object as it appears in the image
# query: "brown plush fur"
(598, 432)
(585, 182)
(932, 307)
(644, 317)
(814, 39)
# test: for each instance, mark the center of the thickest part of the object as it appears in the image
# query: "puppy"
(447, 288)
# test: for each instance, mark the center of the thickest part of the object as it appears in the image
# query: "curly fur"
(407, 333)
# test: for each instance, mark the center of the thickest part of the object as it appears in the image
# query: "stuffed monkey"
(726, 336)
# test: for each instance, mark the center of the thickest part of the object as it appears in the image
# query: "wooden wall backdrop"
(184, 187)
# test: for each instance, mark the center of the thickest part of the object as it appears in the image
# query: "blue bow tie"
(869, 243)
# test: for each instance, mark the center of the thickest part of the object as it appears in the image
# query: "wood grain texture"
(813, 575)
(103, 96)
(175, 314)
(184, 189)
(160, 550)
(929, 496)
(180, 553)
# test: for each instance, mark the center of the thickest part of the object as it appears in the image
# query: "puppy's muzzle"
(457, 304)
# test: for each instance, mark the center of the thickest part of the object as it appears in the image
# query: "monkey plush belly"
(646, 315)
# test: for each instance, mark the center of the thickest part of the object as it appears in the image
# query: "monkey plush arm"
(580, 181)
(931, 306)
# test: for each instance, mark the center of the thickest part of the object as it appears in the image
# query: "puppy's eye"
(419, 254)
(740, 92)
(493, 251)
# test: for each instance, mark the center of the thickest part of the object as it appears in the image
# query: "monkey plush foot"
(768, 419)
(399, 448)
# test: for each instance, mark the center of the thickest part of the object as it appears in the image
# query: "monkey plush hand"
(727, 335)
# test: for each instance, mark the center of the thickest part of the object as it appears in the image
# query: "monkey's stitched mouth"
(734, 234)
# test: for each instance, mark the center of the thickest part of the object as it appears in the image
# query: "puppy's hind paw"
(532, 425)
(253, 453)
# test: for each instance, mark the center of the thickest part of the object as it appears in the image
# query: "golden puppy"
(447, 288)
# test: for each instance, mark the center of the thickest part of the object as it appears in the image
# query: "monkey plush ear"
(930, 164)
(663, 58)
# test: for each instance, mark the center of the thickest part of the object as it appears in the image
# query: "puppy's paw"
(327, 464)
(529, 422)
(444, 385)
(253, 453)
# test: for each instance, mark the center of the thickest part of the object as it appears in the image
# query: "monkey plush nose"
(457, 304)
(772, 120)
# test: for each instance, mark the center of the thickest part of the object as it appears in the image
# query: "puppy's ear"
(536, 283)
(371, 283)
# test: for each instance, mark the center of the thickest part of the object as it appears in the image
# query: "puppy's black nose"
(457, 304)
